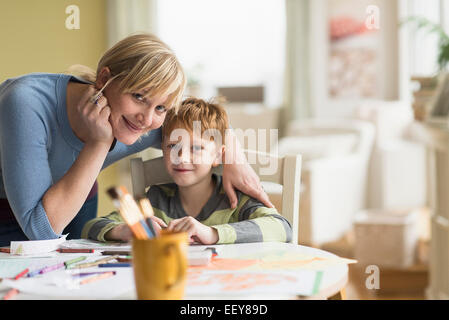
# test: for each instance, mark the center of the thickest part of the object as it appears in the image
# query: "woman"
(57, 132)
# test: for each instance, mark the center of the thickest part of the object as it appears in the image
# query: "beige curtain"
(125, 17)
(296, 92)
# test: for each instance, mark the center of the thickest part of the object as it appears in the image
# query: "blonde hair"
(211, 115)
(141, 61)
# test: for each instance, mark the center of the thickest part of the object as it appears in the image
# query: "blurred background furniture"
(397, 176)
(436, 140)
(335, 155)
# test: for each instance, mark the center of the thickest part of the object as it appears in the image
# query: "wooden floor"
(407, 284)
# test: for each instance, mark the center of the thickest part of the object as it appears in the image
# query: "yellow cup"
(160, 266)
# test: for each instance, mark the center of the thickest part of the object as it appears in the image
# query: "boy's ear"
(219, 158)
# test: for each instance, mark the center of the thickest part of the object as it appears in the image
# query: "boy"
(196, 202)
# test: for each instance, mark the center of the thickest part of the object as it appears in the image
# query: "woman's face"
(132, 115)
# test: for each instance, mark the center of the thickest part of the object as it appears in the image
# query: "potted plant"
(428, 84)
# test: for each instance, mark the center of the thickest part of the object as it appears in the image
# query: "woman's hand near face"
(93, 118)
(90, 122)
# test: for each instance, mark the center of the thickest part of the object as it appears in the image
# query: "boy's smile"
(190, 162)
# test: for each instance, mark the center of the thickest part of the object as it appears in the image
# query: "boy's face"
(190, 158)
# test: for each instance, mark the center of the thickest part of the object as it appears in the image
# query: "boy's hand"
(119, 233)
(197, 231)
(158, 223)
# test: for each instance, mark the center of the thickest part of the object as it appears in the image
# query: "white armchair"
(397, 177)
(335, 156)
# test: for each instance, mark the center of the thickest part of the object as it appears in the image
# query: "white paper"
(35, 247)
(11, 267)
(96, 245)
(56, 284)
(241, 283)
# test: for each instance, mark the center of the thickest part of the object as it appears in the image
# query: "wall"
(34, 38)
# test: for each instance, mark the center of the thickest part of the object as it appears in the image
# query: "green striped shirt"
(250, 221)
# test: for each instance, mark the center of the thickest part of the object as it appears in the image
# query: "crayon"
(21, 274)
(5, 250)
(85, 274)
(98, 277)
(53, 267)
(11, 293)
(214, 251)
(76, 250)
(111, 253)
(114, 265)
(34, 273)
(45, 270)
(69, 263)
(95, 263)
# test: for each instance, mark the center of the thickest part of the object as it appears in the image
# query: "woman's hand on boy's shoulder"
(243, 178)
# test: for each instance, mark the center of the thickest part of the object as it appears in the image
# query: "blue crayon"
(114, 265)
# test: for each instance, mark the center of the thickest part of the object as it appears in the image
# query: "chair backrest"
(285, 171)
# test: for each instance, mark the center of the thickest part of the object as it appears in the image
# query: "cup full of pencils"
(159, 258)
(160, 266)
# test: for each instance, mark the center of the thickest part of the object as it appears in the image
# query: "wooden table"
(333, 280)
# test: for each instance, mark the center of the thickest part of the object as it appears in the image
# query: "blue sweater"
(38, 146)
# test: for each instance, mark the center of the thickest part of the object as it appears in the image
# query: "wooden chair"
(288, 174)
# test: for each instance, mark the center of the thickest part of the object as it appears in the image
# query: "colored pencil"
(214, 252)
(34, 273)
(130, 212)
(111, 253)
(45, 270)
(95, 263)
(75, 250)
(21, 274)
(98, 277)
(68, 264)
(85, 274)
(148, 212)
(10, 294)
(52, 268)
(127, 259)
(134, 211)
(114, 265)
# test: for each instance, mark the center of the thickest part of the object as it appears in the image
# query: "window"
(227, 43)
(424, 45)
